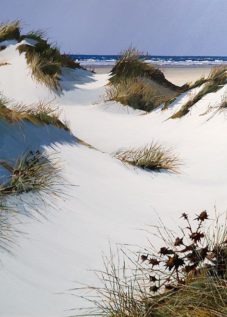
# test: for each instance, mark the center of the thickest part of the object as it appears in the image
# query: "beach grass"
(45, 68)
(131, 65)
(32, 171)
(138, 84)
(137, 93)
(153, 157)
(38, 114)
(44, 58)
(10, 31)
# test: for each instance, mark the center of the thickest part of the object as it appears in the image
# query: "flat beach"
(177, 75)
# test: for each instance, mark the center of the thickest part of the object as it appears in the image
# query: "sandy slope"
(101, 199)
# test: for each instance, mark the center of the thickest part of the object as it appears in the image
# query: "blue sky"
(159, 27)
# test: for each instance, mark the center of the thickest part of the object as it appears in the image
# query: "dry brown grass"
(216, 80)
(138, 84)
(33, 171)
(47, 71)
(45, 60)
(10, 31)
(37, 114)
(153, 157)
(131, 65)
(136, 93)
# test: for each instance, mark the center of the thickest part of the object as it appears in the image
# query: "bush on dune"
(153, 158)
(187, 277)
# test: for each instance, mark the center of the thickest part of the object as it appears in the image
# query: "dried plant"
(187, 277)
(216, 80)
(131, 64)
(136, 93)
(33, 171)
(136, 83)
(10, 31)
(153, 157)
(38, 114)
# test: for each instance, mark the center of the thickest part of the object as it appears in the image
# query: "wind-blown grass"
(138, 84)
(137, 93)
(131, 65)
(199, 82)
(153, 157)
(46, 62)
(44, 66)
(38, 114)
(10, 31)
(216, 80)
(33, 171)
(44, 58)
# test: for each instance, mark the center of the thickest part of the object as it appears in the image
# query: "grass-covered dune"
(131, 65)
(142, 86)
(44, 58)
(138, 84)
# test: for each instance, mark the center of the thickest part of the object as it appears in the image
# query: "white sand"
(110, 201)
(182, 75)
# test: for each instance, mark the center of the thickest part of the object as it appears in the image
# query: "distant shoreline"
(178, 75)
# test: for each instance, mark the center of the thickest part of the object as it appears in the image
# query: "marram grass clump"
(37, 114)
(33, 171)
(10, 31)
(132, 65)
(45, 69)
(43, 57)
(45, 60)
(186, 277)
(152, 157)
(137, 93)
(136, 83)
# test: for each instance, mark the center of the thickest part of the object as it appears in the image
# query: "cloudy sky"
(159, 27)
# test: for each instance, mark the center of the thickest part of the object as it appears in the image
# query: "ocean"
(165, 61)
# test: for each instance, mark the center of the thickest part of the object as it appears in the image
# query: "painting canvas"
(113, 158)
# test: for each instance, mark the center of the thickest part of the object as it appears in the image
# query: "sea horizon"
(97, 60)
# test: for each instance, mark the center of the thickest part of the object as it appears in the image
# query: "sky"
(157, 27)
